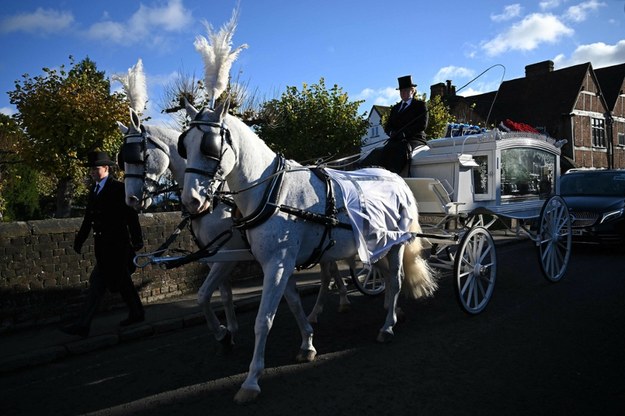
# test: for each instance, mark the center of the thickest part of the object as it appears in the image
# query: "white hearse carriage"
(465, 185)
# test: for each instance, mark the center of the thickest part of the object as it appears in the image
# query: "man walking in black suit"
(405, 127)
(117, 235)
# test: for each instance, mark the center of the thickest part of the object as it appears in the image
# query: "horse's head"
(207, 146)
(143, 159)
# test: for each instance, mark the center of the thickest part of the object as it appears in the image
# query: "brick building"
(578, 103)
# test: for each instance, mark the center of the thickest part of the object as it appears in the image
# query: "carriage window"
(480, 175)
(527, 174)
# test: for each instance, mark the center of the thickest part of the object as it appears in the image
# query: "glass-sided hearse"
(469, 183)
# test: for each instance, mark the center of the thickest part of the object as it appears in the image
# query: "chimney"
(538, 69)
(437, 89)
(450, 90)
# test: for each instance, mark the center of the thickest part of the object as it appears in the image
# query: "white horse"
(290, 219)
(148, 151)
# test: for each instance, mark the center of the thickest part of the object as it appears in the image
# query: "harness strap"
(207, 251)
(329, 220)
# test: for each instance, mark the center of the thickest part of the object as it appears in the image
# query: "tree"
(312, 123)
(439, 116)
(66, 114)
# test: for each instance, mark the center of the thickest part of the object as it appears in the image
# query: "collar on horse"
(268, 204)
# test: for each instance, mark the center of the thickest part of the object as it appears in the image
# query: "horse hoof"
(384, 337)
(244, 396)
(306, 356)
(344, 308)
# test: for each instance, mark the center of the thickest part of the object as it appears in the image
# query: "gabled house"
(375, 136)
(612, 81)
(570, 103)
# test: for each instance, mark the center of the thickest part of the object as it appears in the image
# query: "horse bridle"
(135, 152)
(211, 150)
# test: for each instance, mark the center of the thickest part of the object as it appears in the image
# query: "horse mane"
(135, 86)
(217, 56)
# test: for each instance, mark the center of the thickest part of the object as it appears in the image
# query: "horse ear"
(222, 108)
(123, 129)
(134, 118)
(191, 111)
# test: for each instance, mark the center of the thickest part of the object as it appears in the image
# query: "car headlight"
(612, 215)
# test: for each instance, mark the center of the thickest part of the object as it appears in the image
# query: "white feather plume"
(134, 86)
(216, 51)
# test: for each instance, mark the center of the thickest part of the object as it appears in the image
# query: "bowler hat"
(405, 82)
(98, 158)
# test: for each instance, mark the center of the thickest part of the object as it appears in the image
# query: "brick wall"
(42, 279)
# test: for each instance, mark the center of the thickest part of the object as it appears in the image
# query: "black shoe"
(82, 331)
(132, 320)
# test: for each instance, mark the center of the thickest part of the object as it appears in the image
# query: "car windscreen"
(596, 183)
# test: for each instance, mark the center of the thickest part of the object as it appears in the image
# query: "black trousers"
(97, 289)
(393, 156)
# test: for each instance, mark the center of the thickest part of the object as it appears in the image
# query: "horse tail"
(420, 280)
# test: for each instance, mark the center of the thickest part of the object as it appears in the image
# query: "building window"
(598, 132)
(621, 139)
(374, 131)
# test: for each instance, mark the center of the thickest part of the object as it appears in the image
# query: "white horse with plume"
(220, 147)
(295, 215)
(147, 153)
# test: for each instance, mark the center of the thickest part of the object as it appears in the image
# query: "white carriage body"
(509, 174)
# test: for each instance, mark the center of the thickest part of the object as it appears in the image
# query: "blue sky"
(362, 46)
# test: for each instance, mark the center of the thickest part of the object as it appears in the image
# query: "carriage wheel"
(475, 270)
(554, 238)
(369, 280)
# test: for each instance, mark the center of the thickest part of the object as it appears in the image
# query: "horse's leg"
(218, 276)
(344, 303)
(323, 291)
(307, 352)
(227, 300)
(393, 288)
(276, 275)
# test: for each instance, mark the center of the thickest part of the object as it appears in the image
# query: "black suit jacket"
(116, 229)
(410, 124)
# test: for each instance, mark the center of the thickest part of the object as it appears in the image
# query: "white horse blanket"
(379, 205)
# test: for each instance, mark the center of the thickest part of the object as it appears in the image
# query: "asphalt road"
(538, 349)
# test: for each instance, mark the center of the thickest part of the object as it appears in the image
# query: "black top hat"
(405, 82)
(98, 158)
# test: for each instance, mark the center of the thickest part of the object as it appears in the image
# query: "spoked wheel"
(554, 238)
(369, 280)
(475, 270)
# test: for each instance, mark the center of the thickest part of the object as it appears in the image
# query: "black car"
(596, 201)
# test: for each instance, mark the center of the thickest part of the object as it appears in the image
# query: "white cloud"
(579, 12)
(384, 96)
(549, 4)
(8, 111)
(528, 34)
(509, 12)
(40, 21)
(599, 54)
(145, 24)
(452, 72)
